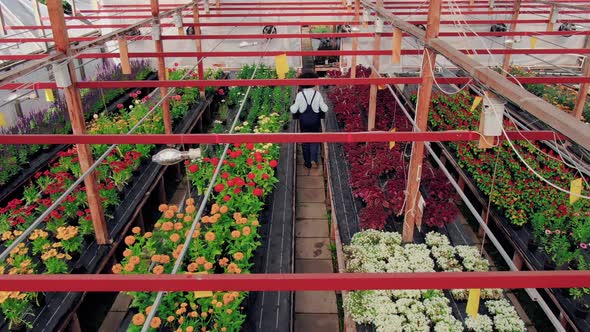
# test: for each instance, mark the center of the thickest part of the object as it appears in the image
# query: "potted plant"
(581, 297)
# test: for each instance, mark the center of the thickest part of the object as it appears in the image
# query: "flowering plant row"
(563, 229)
(52, 247)
(55, 119)
(225, 238)
(561, 96)
(410, 310)
(378, 173)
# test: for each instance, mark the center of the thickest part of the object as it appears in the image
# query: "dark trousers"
(310, 122)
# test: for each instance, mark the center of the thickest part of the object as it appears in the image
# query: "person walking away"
(309, 108)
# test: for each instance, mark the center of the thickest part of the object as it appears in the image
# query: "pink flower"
(119, 106)
(138, 92)
(548, 232)
(557, 231)
(584, 245)
(176, 64)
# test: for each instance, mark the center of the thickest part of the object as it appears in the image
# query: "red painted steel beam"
(292, 282)
(312, 35)
(298, 23)
(285, 82)
(440, 136)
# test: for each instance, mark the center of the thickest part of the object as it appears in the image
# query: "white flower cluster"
(505, 316)
(480, 323)
(472, 260)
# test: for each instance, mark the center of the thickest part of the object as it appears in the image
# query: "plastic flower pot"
(582, 308)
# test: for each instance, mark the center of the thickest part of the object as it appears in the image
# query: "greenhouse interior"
(294, 165)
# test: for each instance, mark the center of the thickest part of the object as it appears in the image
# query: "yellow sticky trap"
(281, 65)
(575, 190)
(2, 120)
(533, 42)
(167, 75)
(200, 294)
(473, 302)
(476, 102)
(49, 95)
(392, 143)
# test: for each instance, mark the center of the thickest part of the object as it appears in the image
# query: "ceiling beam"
(565, 123)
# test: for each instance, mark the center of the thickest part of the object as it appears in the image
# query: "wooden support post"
(506, 64)
(461, 183)
(74, 325)
(374, 73)
(39, 22)
(517, 260)
(554, 11)
(2, 23)
(355, 40)
(583, 89)
(200, 69)
(74, 102)
(422, 109)
(396, 50)
(155, 7)
(124, 55)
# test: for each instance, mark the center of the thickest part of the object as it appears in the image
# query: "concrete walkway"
(314, 311)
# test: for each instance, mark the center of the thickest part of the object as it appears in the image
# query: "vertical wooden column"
(39, 22)
(74, 102)
(583, 90)
(2, 23)
(553, 12)
(355, 40)
(506, 64)
(155, 7)
(200, 69)
(422, 109)
(374, 73)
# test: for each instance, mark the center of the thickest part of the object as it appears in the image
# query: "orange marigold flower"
(164, 259)
(201, 260)
(130, 240)
(214, 208)
(190, 201)
(243, 221)
(223, 262)
(129, 267)
(180, 215)
(223, 329)
(175, 237)
(188, 219)
(138, 319)
(192, 267)
(235, 234)
(232, 267)
(203, 314)
(210, 236)
(255, 223)
(169, 214)
(135, 230)
(178, 312)
(127, 253)
(157, 225)
(208, 266)
(148, 310)
(181, 320)
(237, 216)
(235, 294)
(206, 219)
(170, 319)
(190, 209)
(210, 311)
(190, 329)
(229, 311)
(173, 208)
(238, 256)
(196, 234)
(193, 314)
(178, 226)
(223, 209)
(219, 305)
(134, 260)
(156, 322)
(167, 226)
(246, 230)
(156, 258)
(158, 269)
(117, 268)
(162, 207)
(147, 235)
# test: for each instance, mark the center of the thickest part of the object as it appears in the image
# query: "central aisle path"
(314, 311)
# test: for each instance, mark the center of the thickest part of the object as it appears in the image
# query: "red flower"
(250, 146)
(225, 162)
(214, 161)
(231, 183)
(219, 187)
(265, 176)
(232, 164)
(225, 175)
(221, 92)
(249, 161)
(259, 166)
(258, 156)
(273, 163)
(237, 190)
(193, 168)
(176, 64)
(226, 198)
(251, 176)
(119, 106)
(257, 192)
(133, 95)
(251, 184)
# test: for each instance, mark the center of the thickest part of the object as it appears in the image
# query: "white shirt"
(318, 101)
